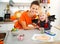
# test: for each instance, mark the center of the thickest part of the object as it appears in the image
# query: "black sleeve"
(35, 21)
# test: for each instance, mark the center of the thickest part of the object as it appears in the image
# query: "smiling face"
(42, 17)
(34, 9)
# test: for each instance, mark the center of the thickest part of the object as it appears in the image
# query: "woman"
(26, 18)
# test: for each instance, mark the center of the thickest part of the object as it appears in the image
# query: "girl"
(43, 21)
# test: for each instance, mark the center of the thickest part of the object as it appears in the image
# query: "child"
(43, 21)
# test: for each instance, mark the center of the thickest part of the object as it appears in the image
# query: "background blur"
(24, 5)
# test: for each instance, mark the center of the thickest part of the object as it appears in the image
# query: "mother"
(27, 17)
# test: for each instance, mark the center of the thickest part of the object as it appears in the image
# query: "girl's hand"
(34, 24)
(36, 27)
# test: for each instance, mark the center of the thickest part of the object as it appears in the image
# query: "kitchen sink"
(2, 36)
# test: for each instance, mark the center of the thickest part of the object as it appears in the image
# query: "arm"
(23, 23)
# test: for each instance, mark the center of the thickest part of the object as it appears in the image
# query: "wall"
(12, 9)
(55, 9)
(2, 7)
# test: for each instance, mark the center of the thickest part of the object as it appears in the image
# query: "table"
(28, 35)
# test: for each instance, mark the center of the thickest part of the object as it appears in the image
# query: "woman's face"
(42, 17)
(34, 9)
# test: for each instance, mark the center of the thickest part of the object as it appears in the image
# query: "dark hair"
(35, 2)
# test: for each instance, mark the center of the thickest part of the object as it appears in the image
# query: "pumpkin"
(16, 15)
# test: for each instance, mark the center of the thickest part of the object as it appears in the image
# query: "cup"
(42, 30)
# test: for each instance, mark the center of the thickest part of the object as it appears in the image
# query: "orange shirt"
(24, 17)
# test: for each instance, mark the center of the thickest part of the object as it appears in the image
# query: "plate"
(42, 38)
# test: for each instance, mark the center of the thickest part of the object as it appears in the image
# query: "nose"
(35, 11)
(45, 11)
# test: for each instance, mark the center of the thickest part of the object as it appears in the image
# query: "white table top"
(28, 35)
(6, 27)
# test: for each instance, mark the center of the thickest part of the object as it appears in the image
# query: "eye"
(44, 7)
(33, 8)
(36, 8)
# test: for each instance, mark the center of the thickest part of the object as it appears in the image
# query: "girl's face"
(42, 17)
(34, 9)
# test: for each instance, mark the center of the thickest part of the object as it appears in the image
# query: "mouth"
(41, 18)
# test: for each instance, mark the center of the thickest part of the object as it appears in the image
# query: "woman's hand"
(30, 26)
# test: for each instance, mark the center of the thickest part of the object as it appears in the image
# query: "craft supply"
(20, 37)
(50, 33)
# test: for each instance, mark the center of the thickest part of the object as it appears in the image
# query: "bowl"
(15, 33)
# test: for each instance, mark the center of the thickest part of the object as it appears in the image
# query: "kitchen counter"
(28, 35)
(4, 22)
(5, 27)
(10, 39)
